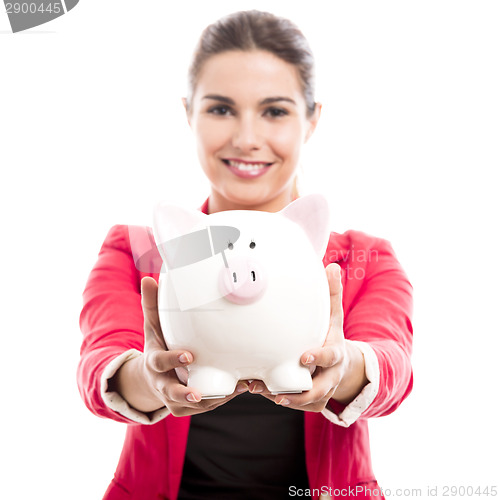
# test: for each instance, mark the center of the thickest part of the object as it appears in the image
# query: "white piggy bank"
(244, 291)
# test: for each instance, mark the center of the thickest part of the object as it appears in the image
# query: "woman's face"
(248, 115)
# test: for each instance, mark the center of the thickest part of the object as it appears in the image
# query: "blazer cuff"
(360, 404)
(116, 402)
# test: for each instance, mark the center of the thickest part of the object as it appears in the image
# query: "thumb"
(152, 327)
(333, 272)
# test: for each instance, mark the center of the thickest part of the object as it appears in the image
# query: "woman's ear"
(184, 103)
(313, 120)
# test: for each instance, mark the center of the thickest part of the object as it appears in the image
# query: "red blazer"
(377, 302)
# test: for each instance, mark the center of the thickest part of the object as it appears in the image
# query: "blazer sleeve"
(111, 321)
(378, 307)
(382, 316)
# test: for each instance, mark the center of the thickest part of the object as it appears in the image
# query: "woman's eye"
(276, 112)
(219, 110)
(252, 245)
(230, 246)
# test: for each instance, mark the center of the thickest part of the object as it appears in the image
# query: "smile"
(247, 170)
(246, 166)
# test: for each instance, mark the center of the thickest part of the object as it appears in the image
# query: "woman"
(251, 108)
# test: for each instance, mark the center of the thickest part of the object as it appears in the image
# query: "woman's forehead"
(256, 74)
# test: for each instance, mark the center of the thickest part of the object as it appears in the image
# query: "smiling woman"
(250, 105)
(249, 116)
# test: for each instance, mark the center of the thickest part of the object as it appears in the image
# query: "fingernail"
(241, 387)
(283, 402)
(310, 359)
(183, 358)
(257, 389)
(190, 397)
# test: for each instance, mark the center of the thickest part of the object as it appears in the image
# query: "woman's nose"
(247, 136)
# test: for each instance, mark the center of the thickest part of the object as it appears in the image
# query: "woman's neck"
(218, 203)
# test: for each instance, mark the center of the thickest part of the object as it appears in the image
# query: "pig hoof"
(211, 382)
(289, 378)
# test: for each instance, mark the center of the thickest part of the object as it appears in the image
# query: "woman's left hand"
(338, 366)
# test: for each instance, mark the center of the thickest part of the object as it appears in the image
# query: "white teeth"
(246, 166)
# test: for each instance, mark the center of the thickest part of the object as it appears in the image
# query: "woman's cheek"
(287, 141)
(213, 136)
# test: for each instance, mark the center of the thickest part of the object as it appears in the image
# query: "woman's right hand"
(149, 382)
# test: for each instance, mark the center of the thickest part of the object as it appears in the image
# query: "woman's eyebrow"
(270, 100)
(263, 102)
(220, 98)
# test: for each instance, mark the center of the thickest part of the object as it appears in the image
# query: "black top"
(248, 448)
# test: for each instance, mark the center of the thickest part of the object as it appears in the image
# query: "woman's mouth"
(247, 170)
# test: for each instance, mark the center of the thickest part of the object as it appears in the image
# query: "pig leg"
(288, 377)
(211, 382)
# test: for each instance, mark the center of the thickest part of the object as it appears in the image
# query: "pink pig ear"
(311, 213)
(171, 221)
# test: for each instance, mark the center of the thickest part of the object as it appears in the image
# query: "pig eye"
(252, 245)
(230, 246)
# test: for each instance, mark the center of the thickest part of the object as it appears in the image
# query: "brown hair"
(256, 30)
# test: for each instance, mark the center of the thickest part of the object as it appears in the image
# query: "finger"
(215, 403)
(315, 398)
(179, 399)
(195, 408)
(149, 290)
(186, 396)
(328, 355)
(189, 400)
(258, 387)
(153, 335)
(182, 374)
(333, 272)
(160, 361)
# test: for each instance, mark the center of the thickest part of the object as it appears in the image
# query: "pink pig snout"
(243, 281)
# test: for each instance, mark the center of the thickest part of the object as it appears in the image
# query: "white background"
(92, 133)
